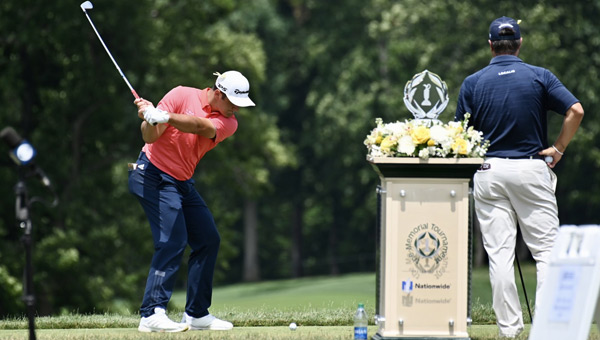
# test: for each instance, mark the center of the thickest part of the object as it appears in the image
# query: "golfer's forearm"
(149, 133)
(571, 123)
(191, 124)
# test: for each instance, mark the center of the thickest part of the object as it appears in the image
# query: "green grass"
(481, 293)
(319, 301)
(239, 333)
(322, 307)
(477, 332)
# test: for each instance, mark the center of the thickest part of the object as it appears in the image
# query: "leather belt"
(521, 157)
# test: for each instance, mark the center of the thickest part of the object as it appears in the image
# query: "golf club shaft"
(111, 57)
(524, 289)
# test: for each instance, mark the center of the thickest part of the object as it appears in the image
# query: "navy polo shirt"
(508, 101)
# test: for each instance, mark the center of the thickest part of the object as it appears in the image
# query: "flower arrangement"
(425, 139)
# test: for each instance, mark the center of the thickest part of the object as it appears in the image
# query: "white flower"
(406, 145)
(397, 129)
(425, 139)
(376, 151)
(439, 134)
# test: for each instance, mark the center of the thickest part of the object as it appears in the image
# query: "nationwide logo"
(408, 287)
(443, 301)
(427, 248)
(430, 286)
(407, 299)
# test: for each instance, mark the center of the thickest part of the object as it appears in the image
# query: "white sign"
(570, 292)
(565, 294)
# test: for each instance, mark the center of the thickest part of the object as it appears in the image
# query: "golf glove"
(155, 116)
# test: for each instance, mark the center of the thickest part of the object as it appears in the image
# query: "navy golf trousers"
(178, 216)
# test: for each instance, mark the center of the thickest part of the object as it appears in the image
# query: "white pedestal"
(423, 247)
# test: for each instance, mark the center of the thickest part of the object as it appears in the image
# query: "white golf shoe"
(160, 322)
(208, 322)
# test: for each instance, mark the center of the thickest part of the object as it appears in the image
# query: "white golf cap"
(236, 87)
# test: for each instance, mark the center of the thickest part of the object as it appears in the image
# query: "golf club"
(522, 280)
(524, 289)
(88, 5)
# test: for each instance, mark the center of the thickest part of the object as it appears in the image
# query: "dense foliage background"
(291, 191)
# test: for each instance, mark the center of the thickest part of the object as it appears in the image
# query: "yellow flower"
(460, 146)
(455, 130)
(431, 142)
(378, 139)
(420, 135)
(386, 144)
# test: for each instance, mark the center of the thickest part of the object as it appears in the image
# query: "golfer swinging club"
(509, 100)
(186, 123)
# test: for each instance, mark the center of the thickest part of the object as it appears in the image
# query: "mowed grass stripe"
(321, 292)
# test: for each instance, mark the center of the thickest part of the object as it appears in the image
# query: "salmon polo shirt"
(178, 153)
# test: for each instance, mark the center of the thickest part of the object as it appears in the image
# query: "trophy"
(426, 95)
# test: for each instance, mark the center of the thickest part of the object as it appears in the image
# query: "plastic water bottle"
(360, 323)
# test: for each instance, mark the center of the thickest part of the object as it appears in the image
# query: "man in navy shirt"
(508, 101)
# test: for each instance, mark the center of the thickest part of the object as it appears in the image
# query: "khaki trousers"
(510, 192)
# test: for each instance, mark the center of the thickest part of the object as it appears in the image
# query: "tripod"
(23, 219)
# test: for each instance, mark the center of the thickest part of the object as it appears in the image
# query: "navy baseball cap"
(504, 22)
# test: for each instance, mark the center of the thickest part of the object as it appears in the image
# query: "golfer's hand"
(155, 116)
(142, 105)
(552, 153)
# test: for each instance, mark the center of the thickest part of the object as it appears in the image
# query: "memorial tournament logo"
(426, 95)
(427, 249)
